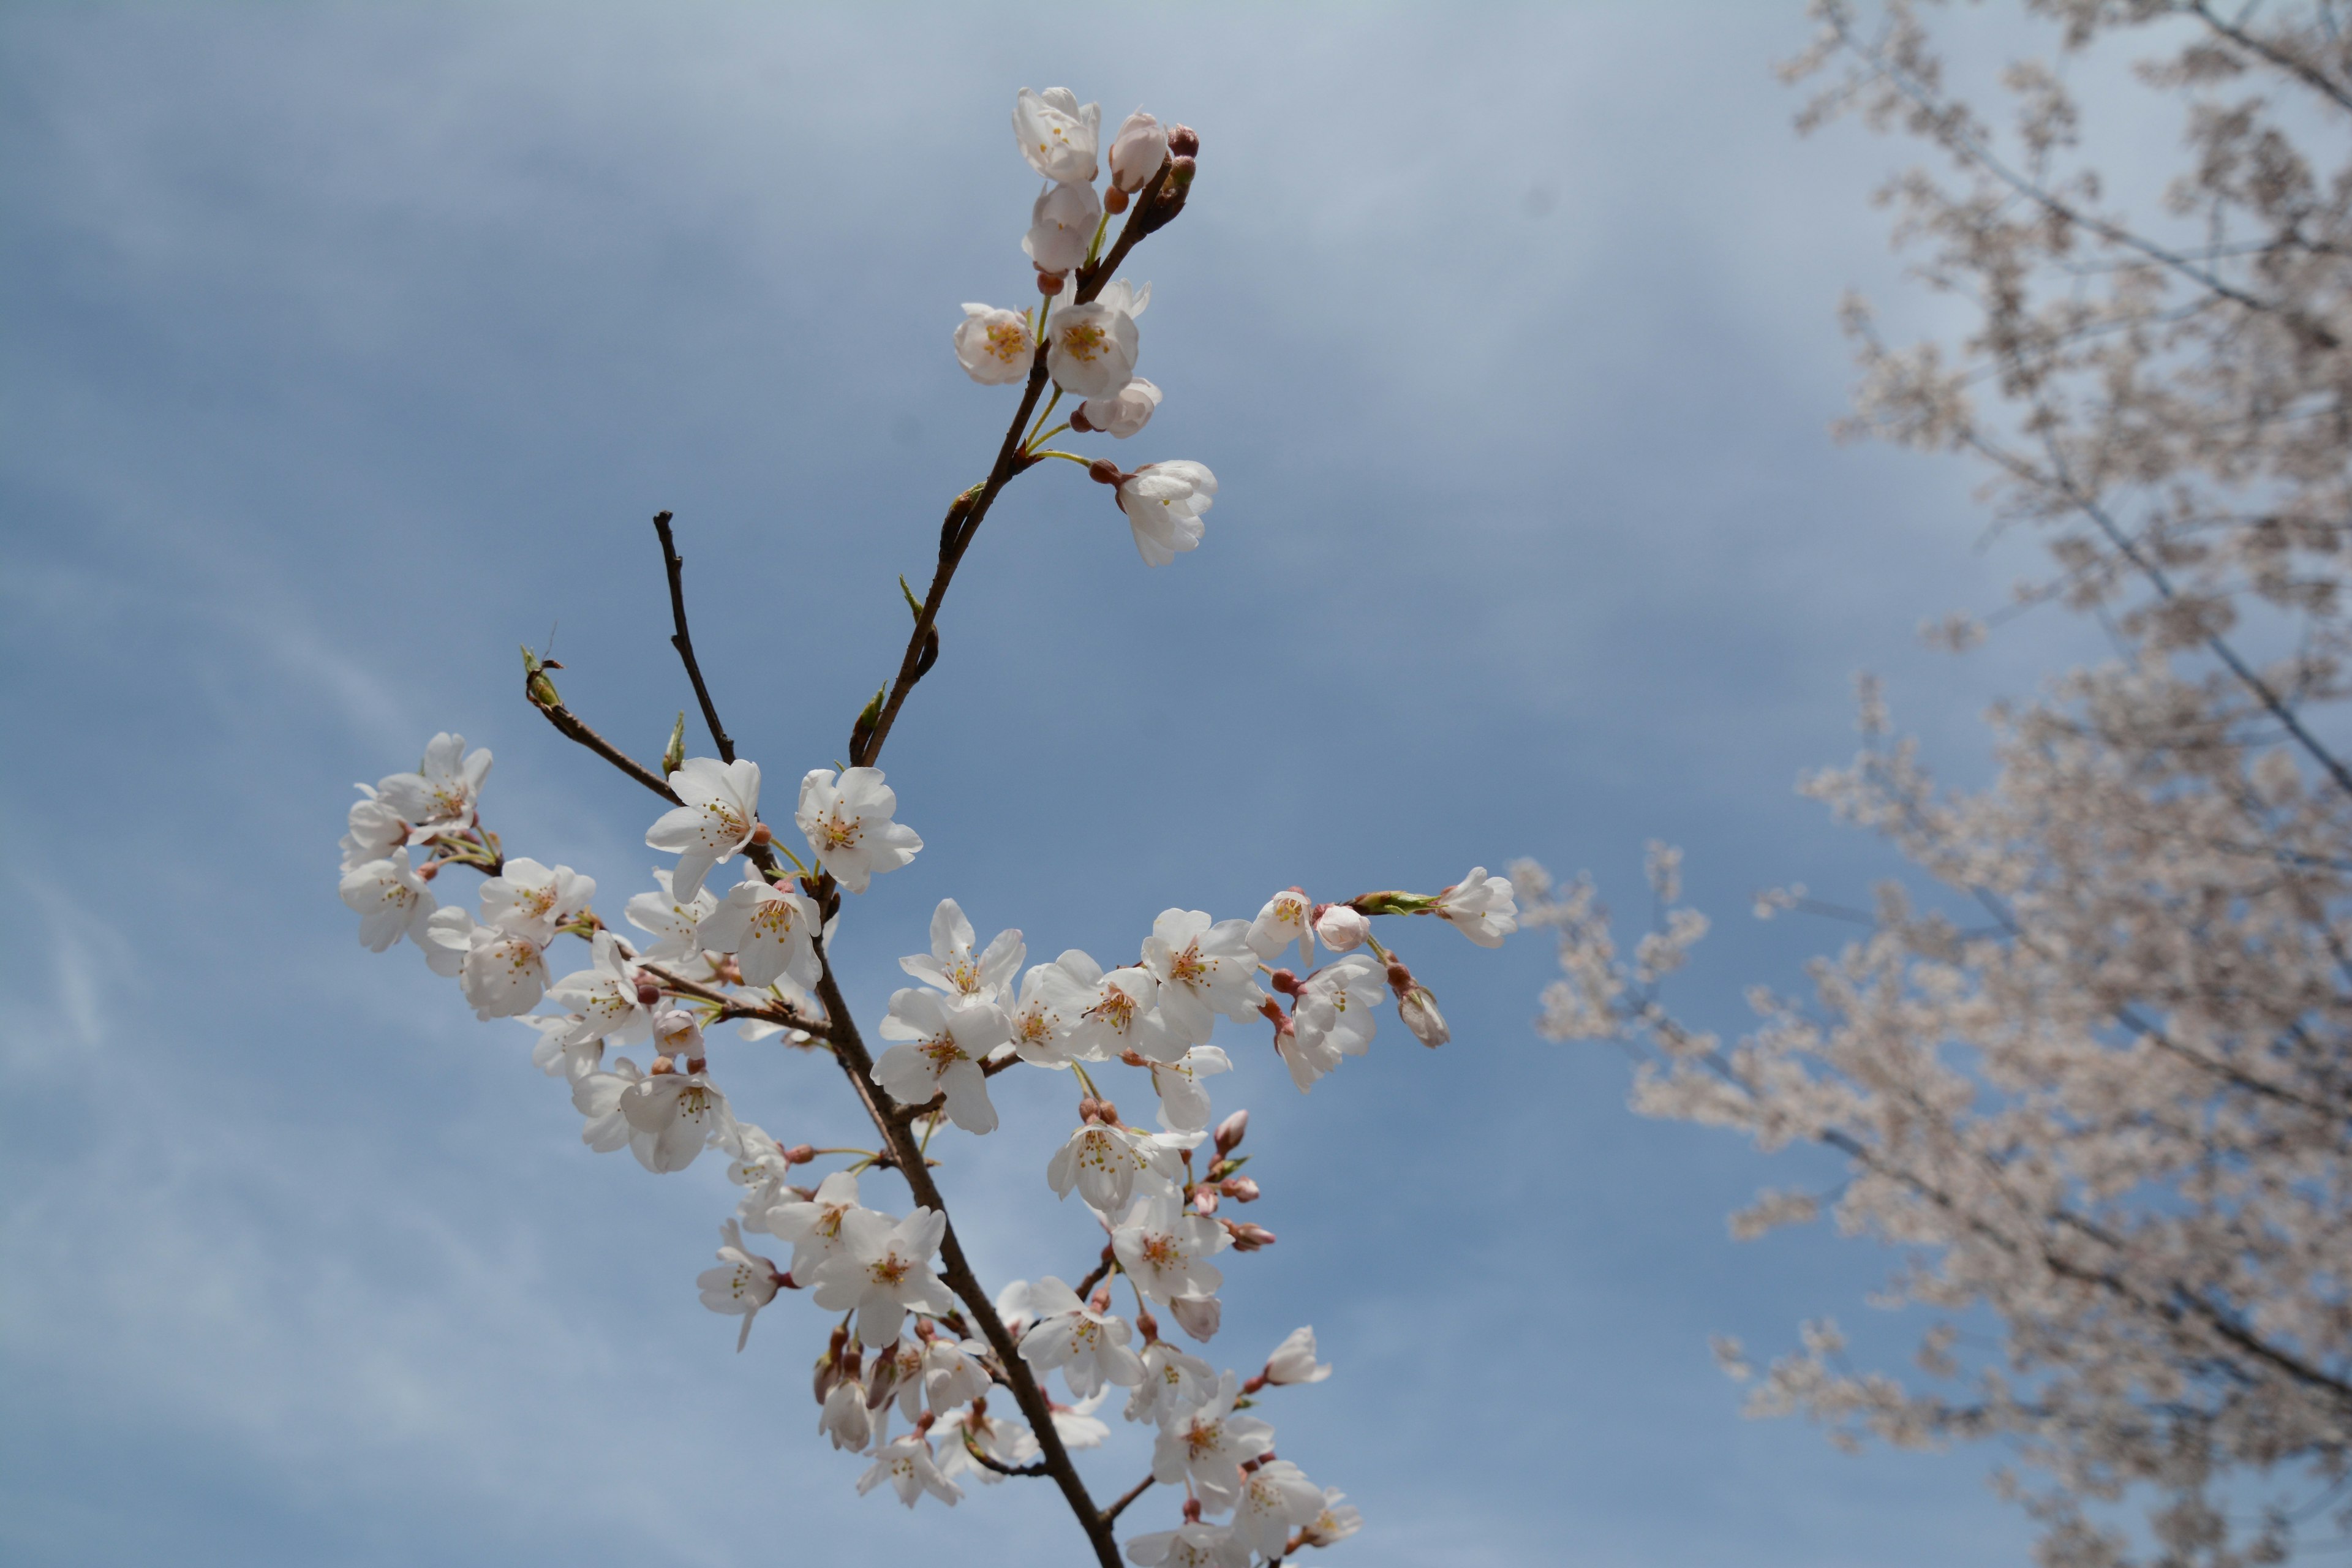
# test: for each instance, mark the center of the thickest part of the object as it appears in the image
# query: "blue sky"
(350, 347)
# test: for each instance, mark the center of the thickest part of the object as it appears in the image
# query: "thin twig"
(569, 724)
(1128, 1496)
(684, 642)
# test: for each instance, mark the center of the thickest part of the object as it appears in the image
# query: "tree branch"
(1111, 1513)
(683, 641)
(569, 725)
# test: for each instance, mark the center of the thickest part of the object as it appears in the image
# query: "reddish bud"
(1080, 422)
(760, 833)
(1113, 201)
(1241, 1189)
(799, 1154)
(648, 993)
(1204, 1199)
(1249, 1237)
(1283, 981)
(1049, 282)
(430, 869)
(1103, 471)
(1231, 1131)
(1183, 141)
(1400, 979)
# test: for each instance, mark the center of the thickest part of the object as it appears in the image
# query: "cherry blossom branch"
(731, 1007)
(1159, 201)
(956, 1271)
(682, 640)
(2285, 62)
(971, 1447)
(1111, 1515)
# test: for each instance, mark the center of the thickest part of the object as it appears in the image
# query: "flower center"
(1083, 341)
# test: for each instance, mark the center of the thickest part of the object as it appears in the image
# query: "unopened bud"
(1197, 1315)
(1419, 1010)
(673, 754)
(1249, 1237)
(1080, 423)
(663, 1065)
(1049, 282)
(1180, 176)
(799, 1154)
(1241, 1189)
(1204, 1200)
(1285, 982)
(760, 834)
(1400, 980)
(427, 872)
(1103, 471)
(1113, 201)
(1183, 141)
(1101, 1300)
(1231, 1131)
(648, 993)
(1341, 929)
(1145, 1324)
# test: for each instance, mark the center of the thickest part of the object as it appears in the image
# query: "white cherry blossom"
(374, 829)
(1480, 907)
(951, 1372)
(672, 1118)
(1183, 1102)
(1078, 1425)
(1277, 1499)
(1171, 1380)
(884, 1270)
(1001, 1437)
(771, 930)
(1337, 1012)
(849, 824)
(1119, 1015)
(1137, 150)
(1202, 969)
(1292, 1360)
(1207, 1444)
(720, 812)
(1163, 502)
(441, 796)
(502, 972)
(1338, 1521)
(907, 1464)
(670, 921)
(1057, 137)
(1119, 414)
(1342, 928)
(743, 1283)
(1103, 1163)
(1053, 999)
(597, 1095)
(1284, 920)
(845, 1417)
(1197, 1544)
(1090, 349)
(1090, 1347)
(1164, 1247)
(534, 900)
(604, 997)
(994, 345)
(1062, 228)
(391, 900)
(946, 1039)
(815, 1227)
(951, 965)
(1199, 1315)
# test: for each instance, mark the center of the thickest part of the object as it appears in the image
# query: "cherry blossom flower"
(846, 1418)
(1284, 920)
(597, 1095)
(1419, 1010)
(1165, 1248)
(534, 900)
(1057, 137)
(771, 930)
(719, 814)
(1171, 1380)
(1292, 1360)
(1103, 1162)
(1338, 1521)
(1136, 151)
(1000, 1437)
(376, 830)
(1342, 928)
(1053, 999)
(1200, 1315)
(1014, 1309)
(946, 1039)
(1335, 1017)
(1202, 969)
(1090, 349)
(1480, 907)
(670, 921)
(815, 1227)
(1163, 502)
(1077, 1425)
(1119, 414)
(951, 965)
(1191, 1545)
(502, 972)
(441, 794)
(1184, 1103)
(884, 1269)
(672, 1118)
(391, 900)
(743, 1283)
(1062, 228)
(994, 345)
(907, 1464)
(1118, 1016)
(552, 1056)
(604, 997)
(1207, 1444)
(951, 1373)
(1090, 1347)
(1276, 1497)
(849, 827)
(760, 1169)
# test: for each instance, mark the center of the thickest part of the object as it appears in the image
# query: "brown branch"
(735, 1007)
(683, 641)
(569, 725)
(973, 1448)
(2312, 76)
(1128, 1496)
(1098, 1274)
(957, 1272)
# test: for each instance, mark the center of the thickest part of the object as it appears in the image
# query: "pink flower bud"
(1183, 141)
(1419, 1010)
(1230, 1132)
(1136, 151)
(1198, 1315)
(647, 991)
(1249, 1237)
(1204, 1200)
(799, 1154)
(1103, 471)
(1241, 1189)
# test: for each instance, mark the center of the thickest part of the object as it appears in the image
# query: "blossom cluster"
(936, 1381)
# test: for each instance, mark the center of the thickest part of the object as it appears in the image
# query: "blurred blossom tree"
(741, 929)
(2108, 1109)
